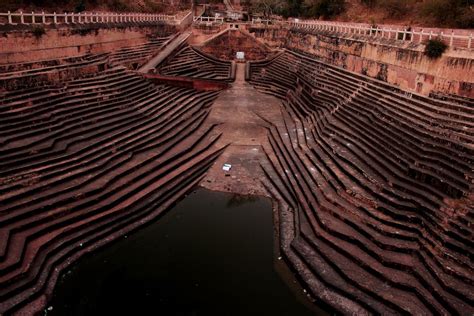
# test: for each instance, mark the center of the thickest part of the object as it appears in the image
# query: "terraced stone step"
(364, 176)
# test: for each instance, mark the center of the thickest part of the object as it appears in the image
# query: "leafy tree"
(80, 7)
(324, 8)
(269, 7)
(369, 3)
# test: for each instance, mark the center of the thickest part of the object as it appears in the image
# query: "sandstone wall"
(22, 45)
(400, 63)
(227, 44)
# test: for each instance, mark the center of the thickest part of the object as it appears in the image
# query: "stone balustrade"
(14, 18)
(452, 37)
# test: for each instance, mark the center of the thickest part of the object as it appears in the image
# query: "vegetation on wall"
(435, 48)
(38, 31)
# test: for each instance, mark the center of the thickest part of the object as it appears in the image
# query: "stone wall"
(22, 45)
(227, 44)
(400, 63)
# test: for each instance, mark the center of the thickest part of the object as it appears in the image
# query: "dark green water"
(212, 254)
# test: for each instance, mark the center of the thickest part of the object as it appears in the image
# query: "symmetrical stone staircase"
(88, 160)
(375, 189)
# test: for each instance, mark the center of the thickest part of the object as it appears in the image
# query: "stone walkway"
(236, 110)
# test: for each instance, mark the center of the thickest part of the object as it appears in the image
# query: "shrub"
(369, 3)
(292, 8)
(118, 5)
(466, 19)
(38, 31)
(153, 7)
(374, 29)
(80, 7)
(435, 48)
(454, 13)
(324, 8)
(396, 8)
(9, 5)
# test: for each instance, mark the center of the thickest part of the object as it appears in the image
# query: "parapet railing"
(208, 19)
(14, 18)
(261, 21)
(417, 35)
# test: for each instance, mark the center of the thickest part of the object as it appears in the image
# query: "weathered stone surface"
(399, 63)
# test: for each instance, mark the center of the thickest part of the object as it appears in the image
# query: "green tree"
(324, 8)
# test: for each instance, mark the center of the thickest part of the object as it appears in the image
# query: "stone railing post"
(55, 18)
(43, 17)
(72, 18)
(33, 20)
(22, 18)
(10, 21)
(65, 18)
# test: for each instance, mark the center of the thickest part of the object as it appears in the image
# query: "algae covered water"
(211, 254)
